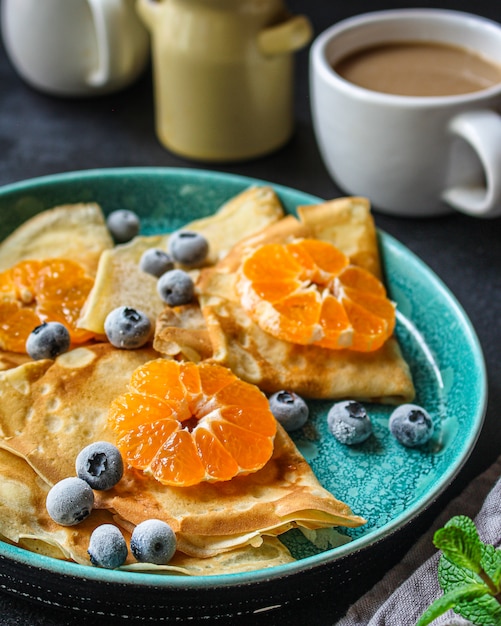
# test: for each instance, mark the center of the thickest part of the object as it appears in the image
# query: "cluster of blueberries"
(99, 467)
(349, 422)
(126, 327)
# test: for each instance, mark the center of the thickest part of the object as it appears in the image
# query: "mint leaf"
(450, 600)
(481, 607)
(491, 563)
(460, 543)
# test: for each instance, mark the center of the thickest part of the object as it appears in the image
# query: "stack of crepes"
(51, 409)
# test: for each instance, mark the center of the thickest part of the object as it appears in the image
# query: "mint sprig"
(469, 573)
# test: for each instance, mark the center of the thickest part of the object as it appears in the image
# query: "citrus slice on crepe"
(32, 292)
(307, 292)
(186, 423)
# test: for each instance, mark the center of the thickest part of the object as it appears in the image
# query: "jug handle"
(106, 15)
(287, 36)
(148, 11)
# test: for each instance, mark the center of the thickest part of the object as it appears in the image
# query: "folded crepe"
(120, 281)
(273, 364)
(50, 410)
(72, 231)
(24, 522)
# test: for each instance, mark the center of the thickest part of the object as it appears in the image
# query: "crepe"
(120, 282)
(24, 522)
(273, 364)
(73, 231)
(50, 410)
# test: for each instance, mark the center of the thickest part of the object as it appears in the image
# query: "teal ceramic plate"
(381, 480)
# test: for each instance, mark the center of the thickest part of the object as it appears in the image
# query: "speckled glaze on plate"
(381, 480)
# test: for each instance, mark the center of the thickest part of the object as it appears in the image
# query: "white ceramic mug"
(411, 156)
(75, 47)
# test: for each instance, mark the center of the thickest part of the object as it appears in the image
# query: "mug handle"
(106, 15)
(482, 131)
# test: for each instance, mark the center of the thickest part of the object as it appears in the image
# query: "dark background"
(42, 135)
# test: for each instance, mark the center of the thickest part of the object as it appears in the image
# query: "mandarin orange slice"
(186, 423)
(32, 292)
(307, 292)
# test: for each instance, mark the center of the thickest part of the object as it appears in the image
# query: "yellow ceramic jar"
(223, 75)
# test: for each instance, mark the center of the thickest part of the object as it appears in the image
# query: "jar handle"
(148, 11)
(293, 34)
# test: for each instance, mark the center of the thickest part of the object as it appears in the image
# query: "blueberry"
(176, 287)
(411, 425)
(289, 409)
(153, 541)
(107, 547)
(156, 262)
(188, 247)
(100, 465)
(127, 328)
(123, 225)
(70, 501)
(348, 422)
(48, 341)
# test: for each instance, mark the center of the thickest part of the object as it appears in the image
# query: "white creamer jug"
(223, 75)
(75, 47)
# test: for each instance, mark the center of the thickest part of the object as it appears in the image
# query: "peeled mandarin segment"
(338, 332)
(256, 420)
(273, 290)
(178, 462)
(271, 257)
(134, 409)
(301, 308)
(213, 378)
(369, 330)
(324, 255)
(155, 377)
(189, 377)
(218, 462)
(361, 280)
(23, 278)
(251, 450)
(142, 443)
(16, 327)
(374, 304)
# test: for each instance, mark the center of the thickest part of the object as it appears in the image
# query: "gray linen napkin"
(401, 597)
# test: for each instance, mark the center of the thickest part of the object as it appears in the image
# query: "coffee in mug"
(419, 68)
(411, 155)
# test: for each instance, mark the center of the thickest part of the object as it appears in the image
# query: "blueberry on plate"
(70, 501)
(107, 547)
(126, 327)
(188, 247)
(156, 262)
(48, 341)
(348, 422)
(411, 425)
(176, 287)
(123, 225)
(153, 541)
(100, 464)
(289, 409)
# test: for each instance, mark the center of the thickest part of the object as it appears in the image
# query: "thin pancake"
(120, 282)
(24, 522)
(272, 364)
(73, 231)
(51, 410)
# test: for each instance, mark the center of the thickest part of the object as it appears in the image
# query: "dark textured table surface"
(42, 135)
